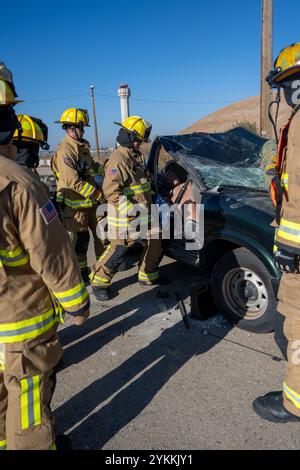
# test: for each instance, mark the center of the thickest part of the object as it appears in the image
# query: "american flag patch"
(48, 212)
(112, 172)
(68, 161)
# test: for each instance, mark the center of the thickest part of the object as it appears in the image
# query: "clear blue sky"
(176, 50)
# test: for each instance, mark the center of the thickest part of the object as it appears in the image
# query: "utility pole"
(95, 121)
(266, 66)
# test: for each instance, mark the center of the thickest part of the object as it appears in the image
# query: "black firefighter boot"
(63, 442)
(270, 407)
(161, 281)
(101, 293)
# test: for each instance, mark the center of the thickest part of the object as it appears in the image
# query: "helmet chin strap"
(20, 131)
(274, 121)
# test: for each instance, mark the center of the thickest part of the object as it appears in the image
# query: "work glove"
(268, 160)
(99, 197)
(82, 169)
(286, 262)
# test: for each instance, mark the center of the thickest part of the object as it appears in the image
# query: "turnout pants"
(106, 267)
(288, 337)
(27, 382)
(78, 224)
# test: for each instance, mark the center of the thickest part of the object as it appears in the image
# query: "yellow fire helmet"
(140, 128)
(7, 95)
(75, 117)
(286, 65)
(33, 129)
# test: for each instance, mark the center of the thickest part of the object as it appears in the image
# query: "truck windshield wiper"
(247, 188)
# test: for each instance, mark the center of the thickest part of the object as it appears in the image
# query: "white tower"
(124, 94)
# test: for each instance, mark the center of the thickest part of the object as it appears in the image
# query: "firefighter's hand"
(268, 153)
(286, 262)
(80, 320)
(99, 196)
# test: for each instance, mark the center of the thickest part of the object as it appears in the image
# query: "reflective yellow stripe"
(87, 190)
(36, 400)
(1, 264)
(118, 222)
(24, 404)
(137, 189)
(76, 204)
(28, 329)
(83, 264)
(148, 276)
(126, 222)
(105, 253)
(285, 180)
(14, 258)
(289, 231)
(72, 297)
(53, 447)
(30, 402)
(3, 444)
(292, 395)
(125, 207)
(104, 281)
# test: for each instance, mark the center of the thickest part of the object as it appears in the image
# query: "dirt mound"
(228, 117)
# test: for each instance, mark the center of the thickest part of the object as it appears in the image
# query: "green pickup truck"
(237, 253)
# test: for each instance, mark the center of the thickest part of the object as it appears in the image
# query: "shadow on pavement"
(70, 334)
(148, 370)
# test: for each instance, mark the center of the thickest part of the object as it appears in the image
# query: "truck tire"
(242, 289)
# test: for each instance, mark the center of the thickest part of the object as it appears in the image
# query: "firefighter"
(284, 406)
(77, 190)
(127, 184)
(39, 281)
(34, 136)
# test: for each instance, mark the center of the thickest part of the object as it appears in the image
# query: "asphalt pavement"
(134, 377)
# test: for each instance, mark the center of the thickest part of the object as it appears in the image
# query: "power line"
(146, 100)
(55, 99)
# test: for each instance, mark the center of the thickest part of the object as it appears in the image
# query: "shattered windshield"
(226, 159)
(214, 175)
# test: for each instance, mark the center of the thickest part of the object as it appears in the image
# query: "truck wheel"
(242, 289)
